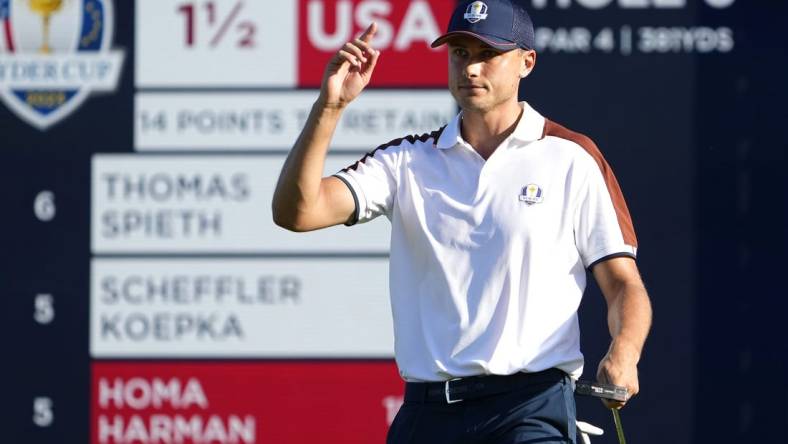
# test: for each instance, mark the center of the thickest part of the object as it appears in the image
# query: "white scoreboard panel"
(217, 43)
(186, 121)
(211, 204)
(230, 308)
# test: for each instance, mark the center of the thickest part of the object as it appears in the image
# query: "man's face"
(482, 77)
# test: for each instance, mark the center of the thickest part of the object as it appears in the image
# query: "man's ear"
(527, 62)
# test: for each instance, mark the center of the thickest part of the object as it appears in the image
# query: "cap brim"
(495, 42)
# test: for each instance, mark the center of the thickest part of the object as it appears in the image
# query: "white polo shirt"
(488, 258)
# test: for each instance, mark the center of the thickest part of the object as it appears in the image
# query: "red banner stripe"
(8, 35)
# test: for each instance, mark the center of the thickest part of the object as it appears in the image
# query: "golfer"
(495, 219)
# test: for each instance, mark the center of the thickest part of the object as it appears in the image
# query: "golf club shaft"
(619, 427)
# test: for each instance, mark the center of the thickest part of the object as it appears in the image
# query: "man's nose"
(472, 69)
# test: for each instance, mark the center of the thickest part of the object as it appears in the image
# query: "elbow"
(283, 220)
(281, 216)
(290, 225)
(289, 220)
(294, 214)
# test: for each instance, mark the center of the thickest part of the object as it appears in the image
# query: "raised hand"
(350, 70)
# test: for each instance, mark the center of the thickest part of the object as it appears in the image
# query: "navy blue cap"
(502, 24)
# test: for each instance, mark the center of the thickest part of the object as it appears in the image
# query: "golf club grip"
(600, 390)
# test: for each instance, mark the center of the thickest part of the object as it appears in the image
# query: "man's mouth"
(472, 88)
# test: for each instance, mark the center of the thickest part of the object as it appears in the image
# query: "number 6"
(44, 206)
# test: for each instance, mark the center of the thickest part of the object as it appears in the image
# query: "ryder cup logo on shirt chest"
(531, 194)
(53, 54)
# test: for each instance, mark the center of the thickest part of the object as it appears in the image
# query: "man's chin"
(473, 103)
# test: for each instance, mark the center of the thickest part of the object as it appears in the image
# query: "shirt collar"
(528, 129)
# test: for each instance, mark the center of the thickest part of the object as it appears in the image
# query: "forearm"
(298, 188)
(629, 321)
(303, 199)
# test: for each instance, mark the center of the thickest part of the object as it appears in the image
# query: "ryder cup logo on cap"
(53, 54)
(531, 194)
(502, 24)
(476, 11)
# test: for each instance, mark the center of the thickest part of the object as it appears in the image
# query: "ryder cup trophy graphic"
(47, 72)
(45, 8)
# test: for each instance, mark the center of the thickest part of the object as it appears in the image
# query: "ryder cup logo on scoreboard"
(53, 54)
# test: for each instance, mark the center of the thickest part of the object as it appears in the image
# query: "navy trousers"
(535, 414)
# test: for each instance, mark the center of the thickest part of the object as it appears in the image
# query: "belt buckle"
(446, 392)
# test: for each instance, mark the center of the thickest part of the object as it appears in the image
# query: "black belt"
(475, 387)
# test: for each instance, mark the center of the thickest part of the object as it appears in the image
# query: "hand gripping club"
(605, 391)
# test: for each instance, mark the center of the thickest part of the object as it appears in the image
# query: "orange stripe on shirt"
(622, 212)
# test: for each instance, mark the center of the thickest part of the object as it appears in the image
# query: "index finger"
(369, 33)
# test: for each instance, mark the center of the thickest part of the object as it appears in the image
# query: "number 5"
(44, 309)
(42, 412)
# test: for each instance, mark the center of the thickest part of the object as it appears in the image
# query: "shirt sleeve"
(603, 226)
(372, 181)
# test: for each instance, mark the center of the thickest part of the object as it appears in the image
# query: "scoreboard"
(147, 295)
